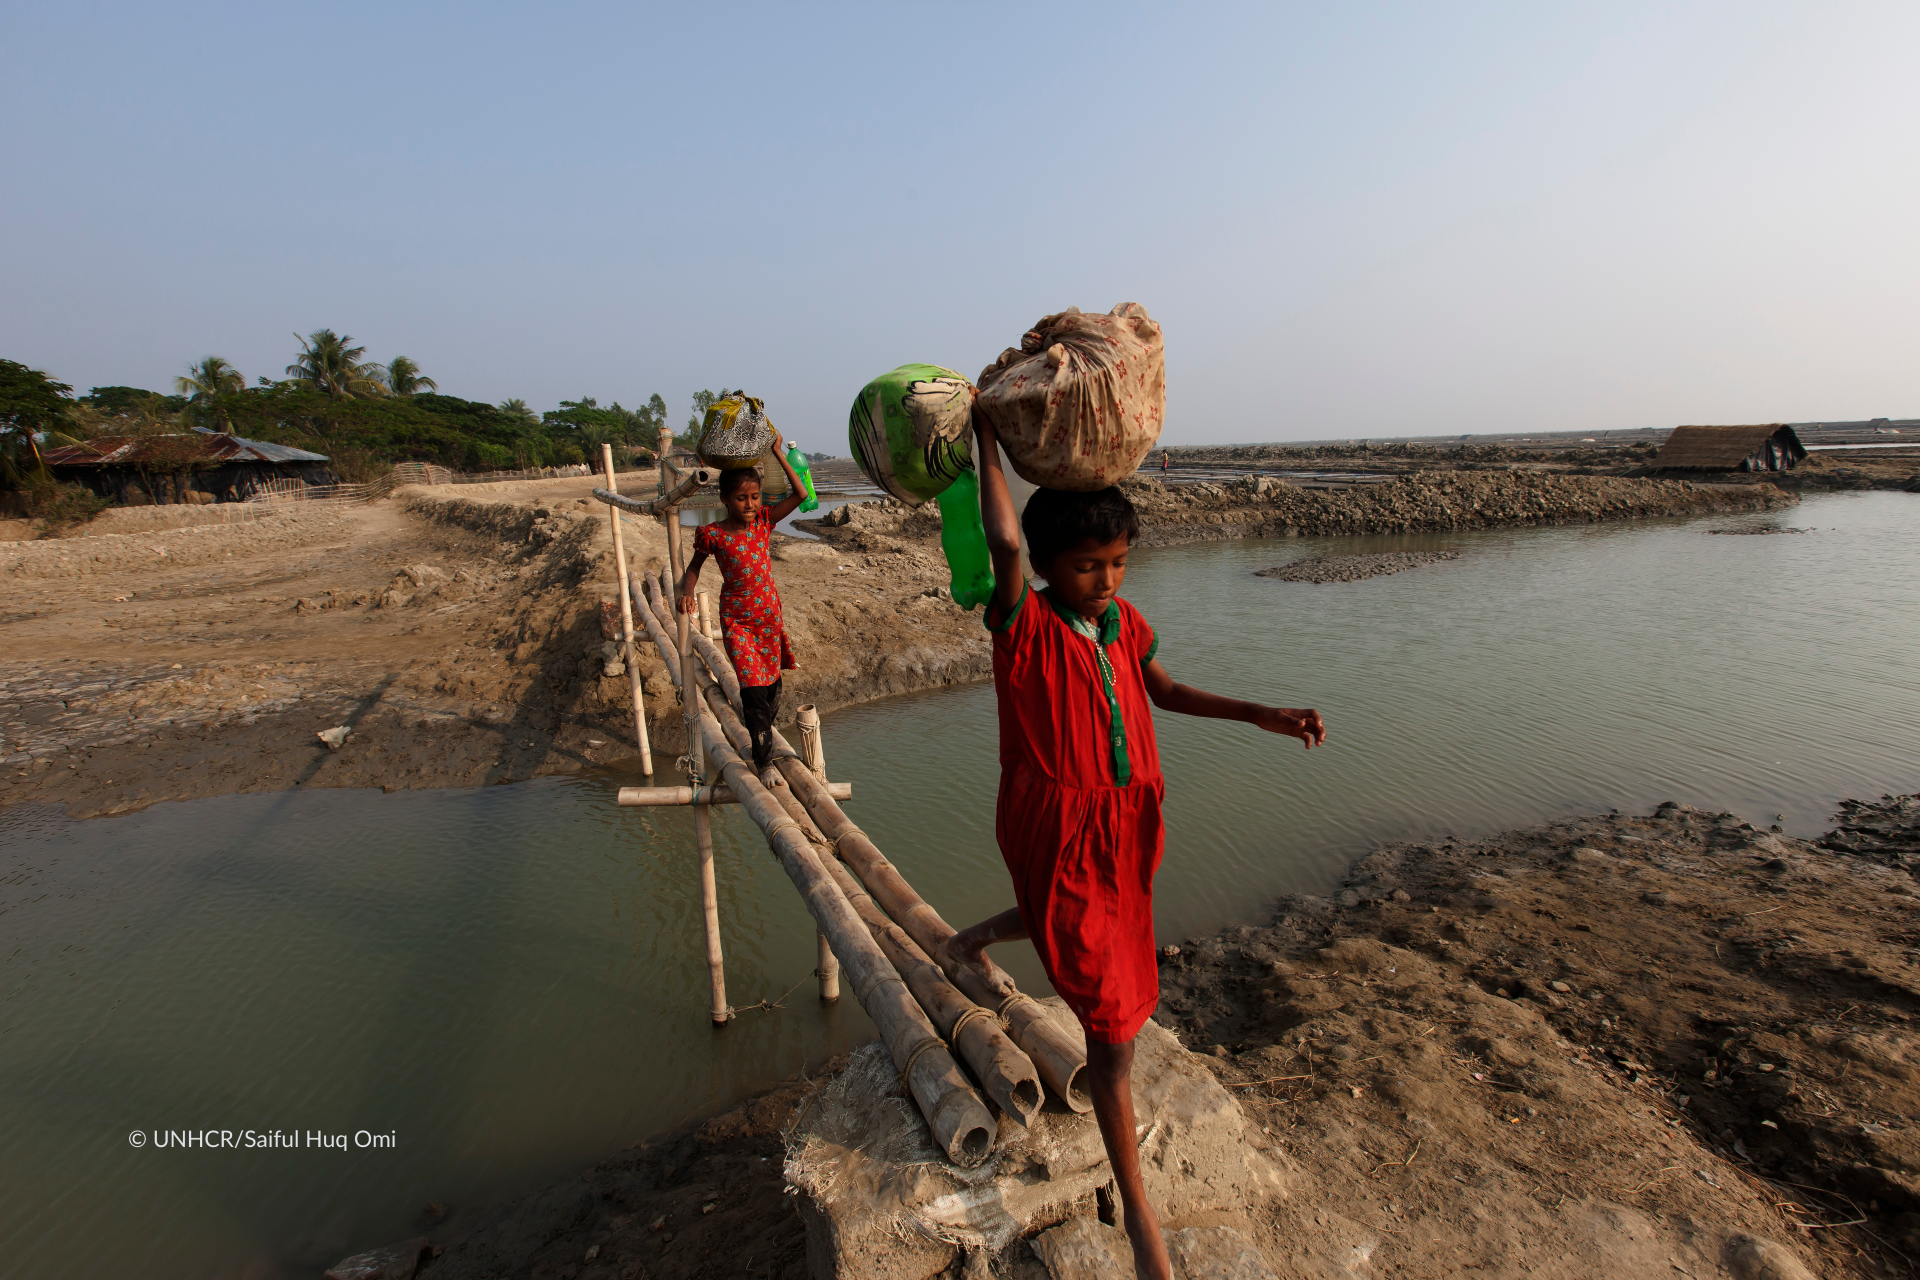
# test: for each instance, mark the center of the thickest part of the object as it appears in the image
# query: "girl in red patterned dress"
(755, 632)
(1078, 821)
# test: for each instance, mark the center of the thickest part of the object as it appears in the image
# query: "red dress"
(1079, 813)
(750, 619)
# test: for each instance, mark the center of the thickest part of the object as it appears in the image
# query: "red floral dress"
(750, 618)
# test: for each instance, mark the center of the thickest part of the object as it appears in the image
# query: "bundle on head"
(1057, 521)
(735, 433)
(1080, 402)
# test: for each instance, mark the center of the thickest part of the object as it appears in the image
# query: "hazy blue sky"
(1350, 220)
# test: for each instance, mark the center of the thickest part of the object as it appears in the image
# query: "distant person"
(1165, 459)
(1078, 818)
(751, 623)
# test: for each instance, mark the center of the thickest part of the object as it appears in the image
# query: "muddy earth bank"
(1582, 1049)
(459, 638)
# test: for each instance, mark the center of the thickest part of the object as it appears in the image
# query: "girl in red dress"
(1078, 822)
(750, 618)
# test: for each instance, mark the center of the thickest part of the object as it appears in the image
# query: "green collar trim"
(1109, 622)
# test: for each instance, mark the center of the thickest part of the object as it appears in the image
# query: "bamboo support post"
(826, 968)
(702, 822)
(645, 797)
(1060, 1061)
(812, 750)
(961, 1124)
(626, 621)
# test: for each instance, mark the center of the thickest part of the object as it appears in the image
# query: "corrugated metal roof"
(200, 446)
(1726, 448)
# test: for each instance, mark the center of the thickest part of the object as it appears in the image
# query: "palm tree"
(207, 381)
(404, 378)
(517, 408)
(329, 363)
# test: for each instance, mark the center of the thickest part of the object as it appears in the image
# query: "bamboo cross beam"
(626, 620)
(644, 797)
(693, 481)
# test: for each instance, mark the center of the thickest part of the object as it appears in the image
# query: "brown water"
(509, 983)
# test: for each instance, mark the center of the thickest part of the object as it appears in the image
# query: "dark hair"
(731, 480)
(1057, 521)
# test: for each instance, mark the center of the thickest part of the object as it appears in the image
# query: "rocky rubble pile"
(1352, 568)
(1424, 502)
(1887, 830)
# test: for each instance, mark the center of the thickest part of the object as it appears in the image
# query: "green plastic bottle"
(798, 461)
(964, 539)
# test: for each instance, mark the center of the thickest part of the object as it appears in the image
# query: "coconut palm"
(517, 408)
(330, 363)
(207, 381)
(404, 378)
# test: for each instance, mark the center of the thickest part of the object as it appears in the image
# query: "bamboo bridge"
(966, 1041)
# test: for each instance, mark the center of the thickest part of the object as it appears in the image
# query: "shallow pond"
(508, 982)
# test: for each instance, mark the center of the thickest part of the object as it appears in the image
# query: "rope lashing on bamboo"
(925, 1046)
(1013, 1002)
(974, 1015)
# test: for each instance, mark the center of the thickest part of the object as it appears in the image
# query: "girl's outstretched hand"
(1303, 723)
(689, 603)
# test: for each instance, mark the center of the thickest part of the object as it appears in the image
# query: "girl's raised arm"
(996, 517)
(796, 492)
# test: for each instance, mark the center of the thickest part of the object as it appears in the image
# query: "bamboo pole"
(1061, 1062)
(626, 621)
(642, 797)
(698, 478)
(812, 750)
(961, 1124)
(1006, 1073)
(702, 823)
(722, 724)
(826, 967)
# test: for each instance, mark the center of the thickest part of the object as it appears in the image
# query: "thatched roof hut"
(1768, 446)
(166, 468)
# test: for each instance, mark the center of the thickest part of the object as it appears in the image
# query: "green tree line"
(363, 414)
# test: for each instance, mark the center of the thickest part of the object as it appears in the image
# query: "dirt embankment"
(1402, 456)
(1267, 507)
(458, 639)
(1425, 502)
(1603, 1047)
(1822, 471)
